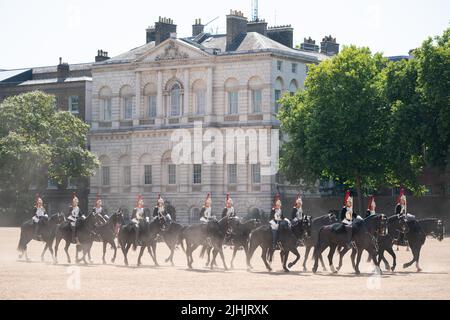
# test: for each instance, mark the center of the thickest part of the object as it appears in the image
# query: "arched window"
(126, 97)
(232, 90)
(293, 87)
(175, 100)
(150, 94)
(199, 89)
(105, 107)
(255, 87)
(279, 84)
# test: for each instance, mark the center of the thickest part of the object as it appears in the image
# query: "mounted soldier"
(98, 210)
(401, 207)
(371, 207)
(138, 216)
(347, 214)
(75, 214)
(160, 211)
(276, 218)
(228, 210)
(39, 215)
(205, 213)
(297, 210)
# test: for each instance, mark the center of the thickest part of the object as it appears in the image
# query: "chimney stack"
(101, 56)
(309, 45)
(197, 27)
(329, 46)
(236, 29)
(282, 34)
(62, 70)
(258, 25)
(151, 34)
(163, 29)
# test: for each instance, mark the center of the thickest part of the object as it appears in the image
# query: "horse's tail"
(251, 246)
(22, 243)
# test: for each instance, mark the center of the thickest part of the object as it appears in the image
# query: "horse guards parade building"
(134, 102)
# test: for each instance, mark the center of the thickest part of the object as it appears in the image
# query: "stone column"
(137, 84)
(159, 99)
(209, 93)
(186, 93)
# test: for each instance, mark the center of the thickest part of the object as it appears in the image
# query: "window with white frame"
(232, 173)
(175, 100)
(256, 173)
(74, 104)
(197, 172)
(279, 65)
(233, 102)
(126, 175)
(151, 108)
(147, 174)
(256, 101)
(71, 183)
(127, 108)
(106, 109)
(294, 68)
(200, 102)
(277, 97)
(172, 173)
(105, 176)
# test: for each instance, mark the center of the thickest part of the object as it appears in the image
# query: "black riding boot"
(274, 239)
(35, 230)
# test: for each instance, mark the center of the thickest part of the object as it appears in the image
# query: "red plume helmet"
(36, 199)
(139, 198)
(207, 197)
(371, 199)
(347, 195)
(277, 197)
(400, 195)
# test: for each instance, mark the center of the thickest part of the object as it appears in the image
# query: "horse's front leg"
(234, 255)
(358, 259)
(66, 249)
(153, 246)
(113, 244)
(285, 258)
(104, 252)
(330, 258)
(297, 257)
(341, 256)
(141, 251)
(43, 252)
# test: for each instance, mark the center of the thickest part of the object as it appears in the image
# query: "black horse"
(360, 232)
(395, 225)
(209, 234)
(289, 238)
(433, 227)
(364, 237)
(85, 233)
(106, 232)
(239, 234)
(47, 231)
(148, 237)
(311, 241)
(172, 238)
(416, 237)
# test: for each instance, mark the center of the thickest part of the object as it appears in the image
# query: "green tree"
(337, 126)
(433, 84)
(36, 143)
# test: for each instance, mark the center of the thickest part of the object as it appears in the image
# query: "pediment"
(171, 49)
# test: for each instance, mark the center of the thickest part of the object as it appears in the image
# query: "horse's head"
(117, 217)
(332, 216)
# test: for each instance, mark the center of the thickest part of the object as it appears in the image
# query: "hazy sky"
(36, 33)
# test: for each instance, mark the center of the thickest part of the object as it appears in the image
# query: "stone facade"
(145, 140)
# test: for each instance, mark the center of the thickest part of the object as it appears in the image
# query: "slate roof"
(252, 42)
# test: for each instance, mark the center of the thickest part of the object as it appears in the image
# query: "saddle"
(338, 227)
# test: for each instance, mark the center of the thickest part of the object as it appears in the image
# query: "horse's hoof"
(104, 261)
(314, 270)
(393, 269)
(357, 272)
(304, 269)
(167, 260)
(290, 265)
(286, 270)
(113, 260)
(405, 266)
(419, 269)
